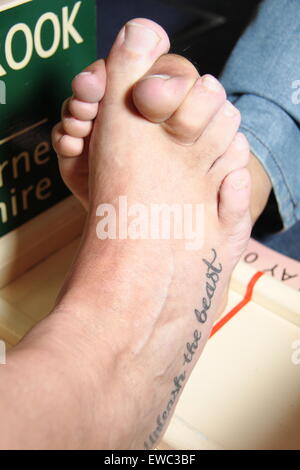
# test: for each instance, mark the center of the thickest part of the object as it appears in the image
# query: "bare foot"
(72, 135)
(156, 96)
(185, 150)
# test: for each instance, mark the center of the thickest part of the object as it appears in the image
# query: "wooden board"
(39, 238)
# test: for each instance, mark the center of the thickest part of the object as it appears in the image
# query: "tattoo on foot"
(213, 276)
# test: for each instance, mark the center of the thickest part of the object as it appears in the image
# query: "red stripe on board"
(240, 305)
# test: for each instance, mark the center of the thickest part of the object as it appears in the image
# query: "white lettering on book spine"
(68, 26)
(33, 41)
(2, 92)
(45, 54)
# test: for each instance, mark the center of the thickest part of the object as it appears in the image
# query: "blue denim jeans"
(262, 79)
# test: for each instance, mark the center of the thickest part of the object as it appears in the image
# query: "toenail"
(211, 83)
(82, 74)
(163, 77)
(139, 38)
(229, 110)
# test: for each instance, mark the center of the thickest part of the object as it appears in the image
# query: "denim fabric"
(262, 78)
(287, 242)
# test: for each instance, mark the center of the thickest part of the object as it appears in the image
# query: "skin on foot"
(156, 96)
(155, 100)
(72, 135)
(162, 135)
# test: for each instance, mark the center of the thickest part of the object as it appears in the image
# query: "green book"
(43, 45)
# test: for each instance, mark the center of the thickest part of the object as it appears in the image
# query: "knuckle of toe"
(186, 125)
(246, 141)
(236, 116)
(223, 94)
(193, 129)
(221, 91)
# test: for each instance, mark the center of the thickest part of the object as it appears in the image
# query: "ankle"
(102, 370)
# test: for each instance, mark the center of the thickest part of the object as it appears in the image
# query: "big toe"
(138, 45)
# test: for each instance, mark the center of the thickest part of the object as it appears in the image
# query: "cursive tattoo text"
(214, 270)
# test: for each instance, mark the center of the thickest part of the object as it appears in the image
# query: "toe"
(75, 128)
(89, 85)
(219, 134)
(72, 123)
(165, 86)
(65, 145)
(234, 208)
(199, 107)
(84, 111)
(137, 46)
(236, 156)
